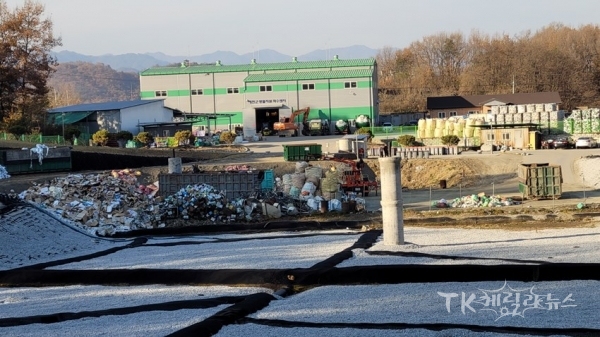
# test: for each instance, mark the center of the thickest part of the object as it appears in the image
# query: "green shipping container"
(540, 181)
(302, 152)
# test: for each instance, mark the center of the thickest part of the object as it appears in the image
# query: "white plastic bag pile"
(475, 200)
(204, 202)
(3, 173)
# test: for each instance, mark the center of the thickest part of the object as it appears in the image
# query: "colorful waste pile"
(115, 201)
(106, 202)
(475, 200)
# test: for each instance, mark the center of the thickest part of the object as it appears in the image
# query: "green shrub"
(125, 135)
(184, 137)
(365, 131)
(17, 130)
(144, 138)
(407, 140)
(450, 140)
(227, 137)
(100, 137)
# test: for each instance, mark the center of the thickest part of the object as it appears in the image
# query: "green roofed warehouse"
(254, 96)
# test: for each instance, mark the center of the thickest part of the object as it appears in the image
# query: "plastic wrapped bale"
(313, 174)
(298, 180)
(335, 205)
(308, 189)
(313, 203)
(287, 183)
(3, 173)
(301, 166)
(294, 192)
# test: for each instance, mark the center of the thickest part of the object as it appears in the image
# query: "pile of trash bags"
(3, 173)
(475, 200)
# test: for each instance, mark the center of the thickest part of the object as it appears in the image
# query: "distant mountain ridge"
(138, 62)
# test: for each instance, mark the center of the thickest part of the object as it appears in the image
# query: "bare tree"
(26, 39)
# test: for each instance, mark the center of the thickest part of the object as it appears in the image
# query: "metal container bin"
(302, 152)
(233, 184)
(540, 181)
(268, 181)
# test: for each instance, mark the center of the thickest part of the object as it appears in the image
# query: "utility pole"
(513, 84)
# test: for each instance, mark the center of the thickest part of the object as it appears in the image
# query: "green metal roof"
(257, 67)
(309, 75)
(70, 117)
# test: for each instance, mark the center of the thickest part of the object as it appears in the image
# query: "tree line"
(557, 58)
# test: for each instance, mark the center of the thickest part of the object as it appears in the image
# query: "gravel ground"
(298, 252)
(29, 236)
(421, 303)
(263, 331)
(574, 245)
(154, 323)
(19, 302)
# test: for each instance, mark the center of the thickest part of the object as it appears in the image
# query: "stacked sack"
(298, 179)
(286, 182)
(330, 184)
(313, 176)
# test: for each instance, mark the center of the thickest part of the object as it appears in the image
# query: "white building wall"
(230, 102)
(146, 113)
(315, 99)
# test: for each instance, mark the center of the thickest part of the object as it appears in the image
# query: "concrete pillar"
(391, 201)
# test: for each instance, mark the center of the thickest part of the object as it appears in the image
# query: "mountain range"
(132, 62)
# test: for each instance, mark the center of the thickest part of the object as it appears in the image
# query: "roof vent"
(294, 59)
(336, 58)
(253, 61)
(218, 63)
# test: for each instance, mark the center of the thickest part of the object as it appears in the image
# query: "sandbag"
(298, 180)
(308, 189)
(313, 174)
(301, 166)
(329, 184)
(271, 211)
(335, 205)
(313, 203)
(294, 191)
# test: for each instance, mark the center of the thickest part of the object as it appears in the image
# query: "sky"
(196, 27)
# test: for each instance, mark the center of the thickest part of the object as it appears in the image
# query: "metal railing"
(39, 138)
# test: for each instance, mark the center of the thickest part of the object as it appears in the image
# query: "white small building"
(112, 116)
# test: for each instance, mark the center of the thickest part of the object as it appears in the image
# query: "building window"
(166, 133)
(160, 93)
(490, 137)
(197, 92)
(441, 115)
(349, 85)
(233, 90)
(452, 113)
(308, 86)
(472, 112)
(506, 136)
(266, 88)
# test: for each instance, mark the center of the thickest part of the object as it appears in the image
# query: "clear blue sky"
(195, 27)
